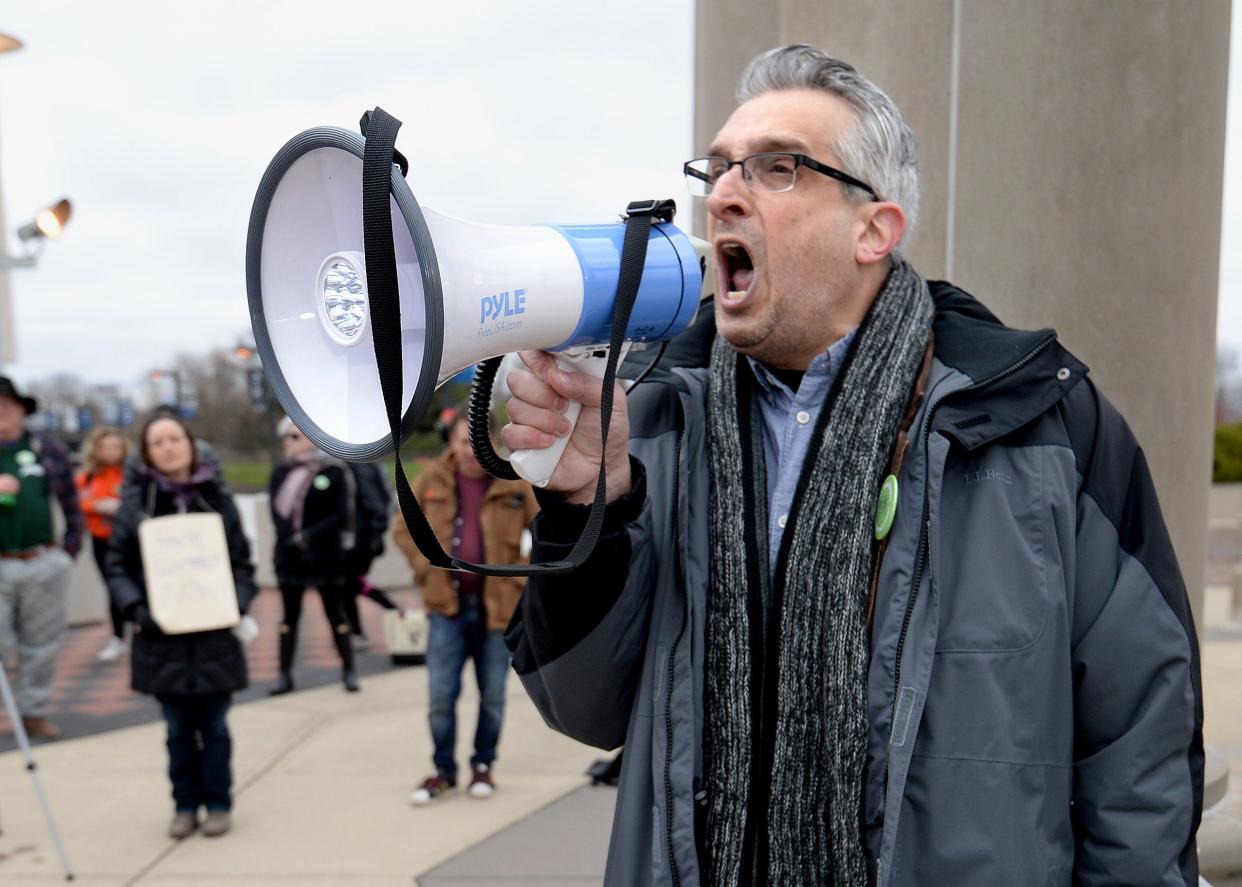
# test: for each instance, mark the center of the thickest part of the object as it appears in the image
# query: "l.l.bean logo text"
(984, 474)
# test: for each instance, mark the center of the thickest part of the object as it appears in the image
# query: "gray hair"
(880, 149)
(283, 426)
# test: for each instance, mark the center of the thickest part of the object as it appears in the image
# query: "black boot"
(344, 646)
(288, 646)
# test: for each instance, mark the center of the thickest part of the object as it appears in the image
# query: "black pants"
(330, 593)
(100, 549)
(200, 751)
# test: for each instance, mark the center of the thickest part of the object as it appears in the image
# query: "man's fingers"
(549, 421)
(539, 362)
(536, 392)
(523, 437)
(581, 387)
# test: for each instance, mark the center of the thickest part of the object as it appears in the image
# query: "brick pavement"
(92, 696)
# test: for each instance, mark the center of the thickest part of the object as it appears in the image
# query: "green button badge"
(321, 482)
(886, 507)
(25, 457)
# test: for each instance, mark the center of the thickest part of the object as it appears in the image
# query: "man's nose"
(730, 196)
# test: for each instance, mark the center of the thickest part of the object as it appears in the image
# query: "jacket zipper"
(925, 531)
(674, 872)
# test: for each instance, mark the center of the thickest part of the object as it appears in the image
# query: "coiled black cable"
(478, 422)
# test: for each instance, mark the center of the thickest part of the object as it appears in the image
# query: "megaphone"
(467, 292)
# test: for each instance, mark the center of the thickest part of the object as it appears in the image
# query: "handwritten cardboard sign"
(189, 577)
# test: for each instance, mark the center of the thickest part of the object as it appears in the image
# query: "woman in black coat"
(312, 500)
(192, 675)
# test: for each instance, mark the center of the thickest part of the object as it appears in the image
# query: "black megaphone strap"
(385, 310)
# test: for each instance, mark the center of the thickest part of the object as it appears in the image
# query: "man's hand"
(9, 485)
(539, 395)
(108, 506)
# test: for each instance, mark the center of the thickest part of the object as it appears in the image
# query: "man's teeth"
(735, 295)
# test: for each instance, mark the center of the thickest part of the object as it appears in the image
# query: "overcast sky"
(158, 124)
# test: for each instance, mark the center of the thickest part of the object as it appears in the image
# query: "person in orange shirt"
(99, 490)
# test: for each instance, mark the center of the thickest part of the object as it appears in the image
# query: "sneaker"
(111, 650)
(183, 825)
(217, 823)
(432, 788)
(40, 728)
(481, 785)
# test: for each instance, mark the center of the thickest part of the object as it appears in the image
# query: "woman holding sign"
(179, 569)
(312, 499)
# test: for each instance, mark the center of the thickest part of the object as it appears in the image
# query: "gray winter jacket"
(1034, 690)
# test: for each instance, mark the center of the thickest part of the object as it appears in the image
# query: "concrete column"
(1071, 158)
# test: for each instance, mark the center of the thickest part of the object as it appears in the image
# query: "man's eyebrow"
(765, 143)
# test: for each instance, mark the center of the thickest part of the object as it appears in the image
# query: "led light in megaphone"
(341, 298)
(346, 307)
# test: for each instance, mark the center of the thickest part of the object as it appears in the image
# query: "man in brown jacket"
(480, 519)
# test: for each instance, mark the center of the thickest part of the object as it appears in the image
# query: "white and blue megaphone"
(467, 292)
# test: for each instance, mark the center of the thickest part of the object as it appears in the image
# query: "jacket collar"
(1012, 376)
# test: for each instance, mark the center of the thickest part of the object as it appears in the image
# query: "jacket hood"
(1014, 375)
(972, 340)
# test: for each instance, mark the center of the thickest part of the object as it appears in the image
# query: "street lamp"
(49, 222)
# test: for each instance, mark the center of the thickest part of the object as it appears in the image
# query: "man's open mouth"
(737, 270)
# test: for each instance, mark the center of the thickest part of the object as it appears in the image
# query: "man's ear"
(882, 225)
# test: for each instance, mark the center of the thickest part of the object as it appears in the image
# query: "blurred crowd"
(330, 519)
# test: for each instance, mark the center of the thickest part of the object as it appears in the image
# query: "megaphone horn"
(467, 291)
(446, 293)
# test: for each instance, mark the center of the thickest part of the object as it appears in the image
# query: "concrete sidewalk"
(322, 780)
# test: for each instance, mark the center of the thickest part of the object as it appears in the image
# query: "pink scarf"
(291, 497)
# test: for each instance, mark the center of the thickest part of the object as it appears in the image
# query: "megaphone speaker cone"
(309, 308)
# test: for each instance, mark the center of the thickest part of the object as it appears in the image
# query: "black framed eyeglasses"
(770, 171)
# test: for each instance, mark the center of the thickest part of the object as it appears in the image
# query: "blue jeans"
(450, 642)
(200, 751)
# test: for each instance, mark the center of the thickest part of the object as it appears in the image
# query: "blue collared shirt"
(788, 424)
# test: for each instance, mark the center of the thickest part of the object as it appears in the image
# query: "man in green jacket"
(34, 569)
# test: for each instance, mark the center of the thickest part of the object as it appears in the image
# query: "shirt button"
(782, 520)
(456, 540)
(803, 417)
(457, 521)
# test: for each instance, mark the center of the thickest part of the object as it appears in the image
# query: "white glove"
(246, 630)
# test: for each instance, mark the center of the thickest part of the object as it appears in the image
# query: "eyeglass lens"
(769, 171)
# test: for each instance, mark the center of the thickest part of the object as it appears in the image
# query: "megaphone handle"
(537, 466)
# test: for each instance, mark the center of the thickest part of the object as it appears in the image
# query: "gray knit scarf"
(795, 644)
